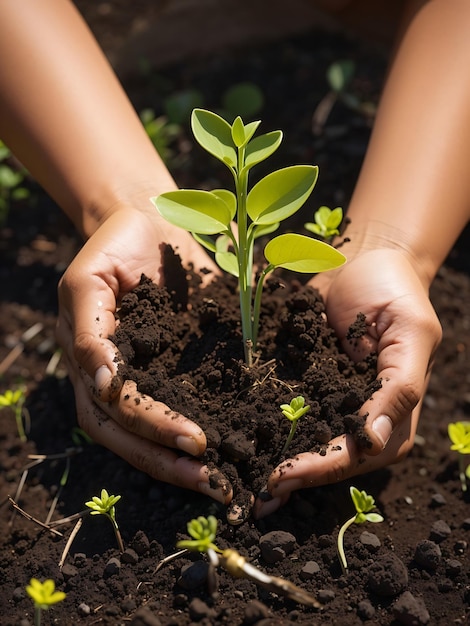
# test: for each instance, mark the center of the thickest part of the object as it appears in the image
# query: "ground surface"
(420, 499)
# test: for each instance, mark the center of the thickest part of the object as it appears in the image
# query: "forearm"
(414, 189)
(65, 116)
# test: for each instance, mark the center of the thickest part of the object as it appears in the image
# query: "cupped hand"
(144, 432)
(402, 327)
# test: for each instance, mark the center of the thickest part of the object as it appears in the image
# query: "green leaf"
(238, 132)
(225, 258)
(229, 198)
(195, 210)
(340, 74)
(302, 254)
(374, 517)
(245, 99)
(9, 178)
(280, 194)
(260, 148)
(204, 240)
(214, 134)
(260, 231)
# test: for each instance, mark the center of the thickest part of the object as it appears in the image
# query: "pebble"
(193, 575)
(84, 610)
(276, 545)
(255, 611)
(410, 611)
(199, 610)
(453, 567)
(370, 541)
(309, 570)
(428, 554)
(113, 566)
(365, 609)
(325, 595)
(69, 571)
(388, 576)
(140, 543)
(130, 556)
(437, 500)
(144, 617)
(440, 530)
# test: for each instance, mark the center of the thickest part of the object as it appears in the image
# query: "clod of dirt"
(428, 554)
(410, 611)
(276, 545)
(388, 576)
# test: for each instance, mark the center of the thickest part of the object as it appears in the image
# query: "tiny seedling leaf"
(214, 134)
(194, 210)
(260, 148)
(280, 194)
(302, 254)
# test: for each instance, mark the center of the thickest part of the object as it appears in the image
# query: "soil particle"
(440, 531)
(428, 554)
(276, 545)
(410, 611)
(388, 575)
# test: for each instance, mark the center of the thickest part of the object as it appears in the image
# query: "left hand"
(404, 331)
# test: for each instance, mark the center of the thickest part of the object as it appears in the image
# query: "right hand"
(146, 433)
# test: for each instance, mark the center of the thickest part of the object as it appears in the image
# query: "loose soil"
(411, 569)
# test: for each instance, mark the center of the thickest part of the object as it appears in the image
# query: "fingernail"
(188, 444)
(383, 427)
(285, 487)
(102, 378)
(219, 494)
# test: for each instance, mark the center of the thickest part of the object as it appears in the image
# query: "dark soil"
(411, 569)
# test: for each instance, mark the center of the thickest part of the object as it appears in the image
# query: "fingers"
(149, 456)
(343, 460)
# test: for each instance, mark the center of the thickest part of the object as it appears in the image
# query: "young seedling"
(44, 595)
(15, 400)
(104, 505)
(203, 532)
(293, 411)
(326, 224)
(256, 211)
(364, 505)
(459, 434)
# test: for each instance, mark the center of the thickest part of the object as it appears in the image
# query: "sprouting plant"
(327, 221)
(161, 132)
(293, 411)
(15, 400)
(257, 212)
(12, 176)
(44, 595)
(203, 532)
(104, 505)
(364, 505)
(459, 434)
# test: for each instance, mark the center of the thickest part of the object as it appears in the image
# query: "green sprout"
(459, 434)
(257, 211)
(364, 505)
(44, 595)
(203, 531)
(105, 506)
(15, 400)
(293, 411)
(326, 222)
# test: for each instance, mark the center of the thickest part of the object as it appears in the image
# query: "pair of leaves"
(203, 531)
(44, 594)
(459, 434)
(364, 503)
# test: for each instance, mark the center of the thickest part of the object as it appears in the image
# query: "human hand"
(404, 331)
(145, 433)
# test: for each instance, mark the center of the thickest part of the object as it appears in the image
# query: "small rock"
(388, 576)
(84, 610)
(69, 571)
(365, 609)
(440, 530)
(130, 557)
(276, 545)
(410, 610)
(140, 543)
(18, 594)
(255, 611)
(453, 567)
(79, 560)
(144, 617)
(193, 575)
(428, 554)
(370, 541)
(113, 567)
(309, 570)
(438, 500)
(325, 595)
(199, 610)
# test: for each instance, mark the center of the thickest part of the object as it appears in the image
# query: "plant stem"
(257, 303)
(341, 554)
(463, 476)
(37, 616)
(293, 428)
(117, 532)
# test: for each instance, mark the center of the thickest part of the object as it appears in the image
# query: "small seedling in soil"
(364, 505)
(203, 532)
(104, 505)
(15, 400)
(257, 212)
(44, 595)
(327, 222)
(293, 411)
(459, 434)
